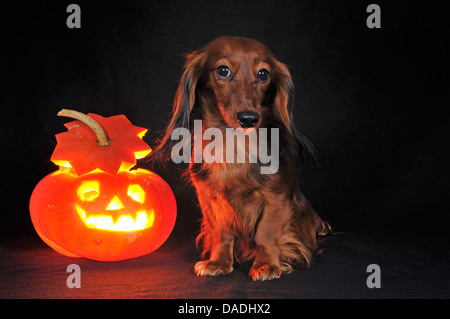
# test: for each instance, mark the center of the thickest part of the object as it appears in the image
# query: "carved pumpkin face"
(102, 216)
(95, 206)
(126, 214)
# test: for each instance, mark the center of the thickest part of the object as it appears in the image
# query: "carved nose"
(247, 118)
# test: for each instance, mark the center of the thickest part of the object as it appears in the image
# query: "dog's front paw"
(212, 268)
(264, 272)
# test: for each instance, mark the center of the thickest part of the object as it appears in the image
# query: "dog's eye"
(223, 71)
(262, 75)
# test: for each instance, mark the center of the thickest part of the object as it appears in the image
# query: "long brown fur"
(246, 214)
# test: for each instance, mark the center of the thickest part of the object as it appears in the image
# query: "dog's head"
(233, 82)
(242, 75)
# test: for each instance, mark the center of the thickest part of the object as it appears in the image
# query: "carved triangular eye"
(136, 192)
(89, 190)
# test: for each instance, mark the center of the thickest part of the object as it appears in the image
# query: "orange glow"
(136, 192)
(115, 204)
(142, 221)
(95, 205)
(144, 153)
(89, 190)
(70, 213)
(62, 163)
(141, 154)
(125, 167)
(141, 135)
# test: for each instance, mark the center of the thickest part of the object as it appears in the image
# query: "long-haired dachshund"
(235, 82)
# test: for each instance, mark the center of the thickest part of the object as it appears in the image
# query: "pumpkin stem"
(102, 139)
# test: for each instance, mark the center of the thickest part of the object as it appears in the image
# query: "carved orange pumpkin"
(99, 208)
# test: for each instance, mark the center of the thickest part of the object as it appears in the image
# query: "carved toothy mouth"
(141, 221)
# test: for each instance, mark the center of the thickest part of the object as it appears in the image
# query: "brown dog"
(236, 82)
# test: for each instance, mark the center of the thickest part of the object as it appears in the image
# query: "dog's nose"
(247, 118)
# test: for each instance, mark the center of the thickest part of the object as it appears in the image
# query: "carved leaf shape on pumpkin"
(78, 147)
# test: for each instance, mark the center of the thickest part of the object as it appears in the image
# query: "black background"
(373, 101)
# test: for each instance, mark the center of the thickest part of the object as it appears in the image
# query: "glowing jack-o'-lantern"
(121, 218)
(95, 206)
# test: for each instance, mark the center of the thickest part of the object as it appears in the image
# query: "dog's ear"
(283, 104)
(284, 94)
(183, 103)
